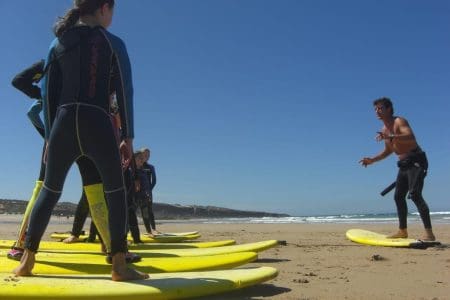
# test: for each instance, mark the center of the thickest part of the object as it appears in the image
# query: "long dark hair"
(80, 8)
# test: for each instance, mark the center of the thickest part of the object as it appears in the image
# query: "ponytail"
(80, 8)
(66, 22)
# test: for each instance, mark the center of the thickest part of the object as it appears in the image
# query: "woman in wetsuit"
(84, 65)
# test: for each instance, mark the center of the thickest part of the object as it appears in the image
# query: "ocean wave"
(435, 213)
(439, 217)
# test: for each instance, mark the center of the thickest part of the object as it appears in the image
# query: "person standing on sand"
(142, 193)
(85, 64)
(151, 176)
(399, 138)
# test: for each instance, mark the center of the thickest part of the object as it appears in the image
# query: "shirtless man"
(399, 138)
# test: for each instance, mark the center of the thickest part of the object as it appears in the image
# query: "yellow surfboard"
(166, 238)
(248, 247)
(375, 239)
(65, 263)
(160, 238)
(252, 247)
(178, 233)
(160, 286)
(84, 246)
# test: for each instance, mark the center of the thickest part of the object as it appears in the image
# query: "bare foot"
(429, 236)
(401, 234)
(149, 234)
(156, 232)
(72, 239)
(120, 271)
(26, 264)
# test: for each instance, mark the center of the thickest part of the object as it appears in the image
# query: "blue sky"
(257, 104)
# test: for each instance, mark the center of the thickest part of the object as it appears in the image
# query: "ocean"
(442, 217)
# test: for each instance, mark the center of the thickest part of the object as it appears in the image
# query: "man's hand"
(126, 152)
(383, 136)
(366, 161)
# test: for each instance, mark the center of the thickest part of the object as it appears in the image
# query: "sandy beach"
(318, 262)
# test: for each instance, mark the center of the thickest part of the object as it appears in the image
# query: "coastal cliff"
(161, 210)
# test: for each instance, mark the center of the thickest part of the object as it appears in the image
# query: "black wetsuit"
(410, 178)
(133, 225)
(151, 177)
(144, 199)
(81, 214)
(84, 66)
(26, 81)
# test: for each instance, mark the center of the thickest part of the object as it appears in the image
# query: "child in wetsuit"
(149, 169)
(143, 192)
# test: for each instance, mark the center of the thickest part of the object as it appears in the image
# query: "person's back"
(84, 66)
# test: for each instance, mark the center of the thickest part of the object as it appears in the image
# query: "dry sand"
(318, 262)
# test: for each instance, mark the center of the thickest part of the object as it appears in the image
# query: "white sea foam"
(438, 217)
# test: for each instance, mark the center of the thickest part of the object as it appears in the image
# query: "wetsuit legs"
(117, 220)
(40, 217)
(416, 196)
(411, 180)
(423, 209)
(133, 225)
(98, 143)
(151, 215)
(99, 212)
(60, 156)
(26, 217)
(93, 233)
(143, 205)
(80, 215)
(23, 227)
(401, 189)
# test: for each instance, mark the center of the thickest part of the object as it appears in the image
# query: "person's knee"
(419, 201)
(399, 197)
(51, 197)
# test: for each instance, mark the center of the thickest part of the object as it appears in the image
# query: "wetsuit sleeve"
(35, 118)
(122, 84)
(25, 79)
(50, 87)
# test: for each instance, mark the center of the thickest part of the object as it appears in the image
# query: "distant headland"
(162, 210)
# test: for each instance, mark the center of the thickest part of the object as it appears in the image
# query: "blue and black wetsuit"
(84, 66)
